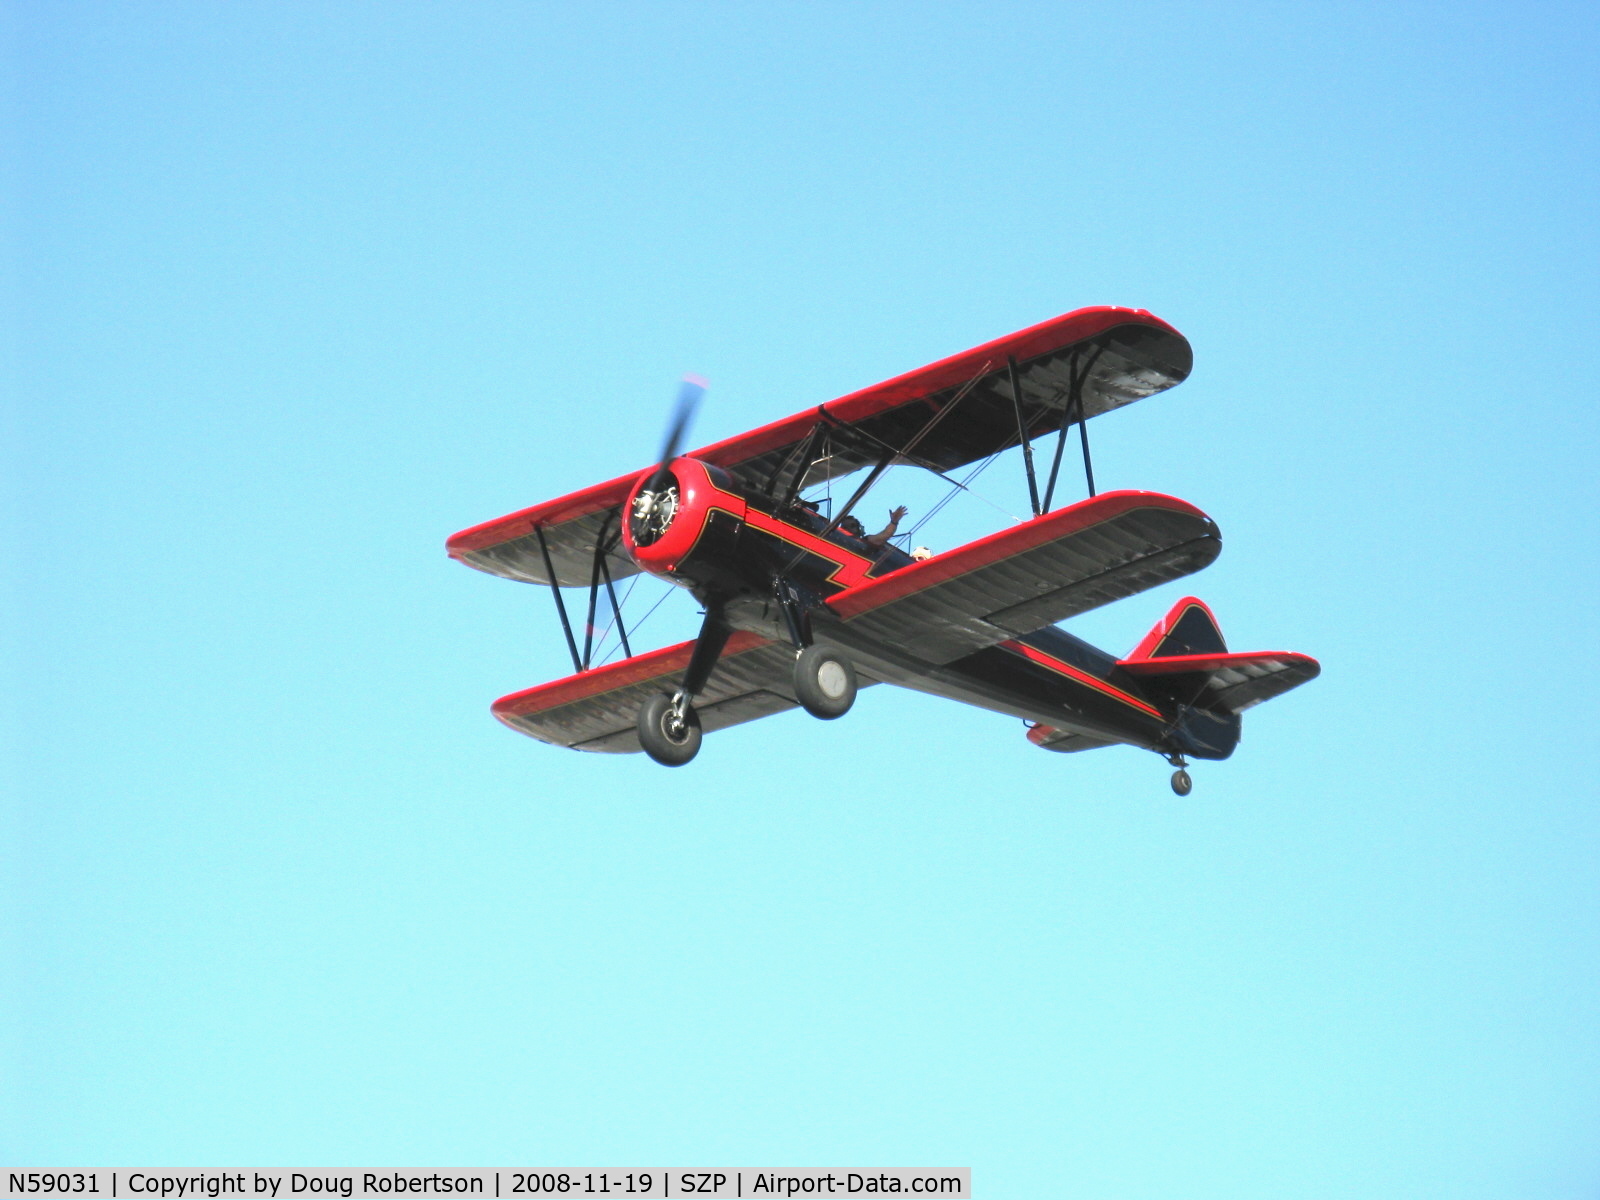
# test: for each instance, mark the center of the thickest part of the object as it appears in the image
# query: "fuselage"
(763, 562)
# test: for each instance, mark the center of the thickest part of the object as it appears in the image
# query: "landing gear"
(824, 682)
(669, 729)
(1181, 783)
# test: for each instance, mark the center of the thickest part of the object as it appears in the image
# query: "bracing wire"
(640, 624)
(962, 484)
(612, 623)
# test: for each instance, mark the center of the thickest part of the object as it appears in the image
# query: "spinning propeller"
(683, 409)
(657, 502)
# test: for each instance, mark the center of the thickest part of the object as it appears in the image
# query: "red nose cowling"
(688, 530)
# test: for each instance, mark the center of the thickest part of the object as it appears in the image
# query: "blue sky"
(295, 292)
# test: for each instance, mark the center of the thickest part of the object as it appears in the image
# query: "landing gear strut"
(669, 728)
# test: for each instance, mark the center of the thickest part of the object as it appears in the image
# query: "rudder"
(1189, 627)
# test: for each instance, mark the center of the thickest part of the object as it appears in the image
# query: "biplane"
(801, 609)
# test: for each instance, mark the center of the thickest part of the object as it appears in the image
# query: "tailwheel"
(824, 682)
(1181, 783)
(669, 730)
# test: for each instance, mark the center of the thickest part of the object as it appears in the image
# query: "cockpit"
(850, 534)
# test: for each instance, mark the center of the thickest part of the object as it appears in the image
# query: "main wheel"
(824, 682)
(669, 740)
(1181, 783)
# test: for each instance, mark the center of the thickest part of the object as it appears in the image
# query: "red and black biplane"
(801, 609)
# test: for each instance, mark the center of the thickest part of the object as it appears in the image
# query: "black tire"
(671, 744)
(1181, 783)
(824, 682)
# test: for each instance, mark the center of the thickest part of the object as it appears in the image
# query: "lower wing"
(597, 709)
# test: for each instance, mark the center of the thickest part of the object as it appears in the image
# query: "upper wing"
(1119, 354)
(597, 709)
(569, 528)
(1237, 681)
(1031, 575)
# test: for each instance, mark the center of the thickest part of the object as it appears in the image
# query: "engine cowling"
(686, 529)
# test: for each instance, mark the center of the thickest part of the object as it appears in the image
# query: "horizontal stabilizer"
(1065, 741)
(1236, 681)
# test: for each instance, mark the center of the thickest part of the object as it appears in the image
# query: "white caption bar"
(631, 1184)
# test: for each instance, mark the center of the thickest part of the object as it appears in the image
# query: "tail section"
(1185, 656)
(1184, 665)
(1185, 660)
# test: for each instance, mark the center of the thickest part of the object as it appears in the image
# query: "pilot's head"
(853, 527)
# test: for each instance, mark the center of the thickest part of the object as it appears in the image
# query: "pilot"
(881, 538)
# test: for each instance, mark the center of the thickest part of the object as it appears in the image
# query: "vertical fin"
(1189, 628)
